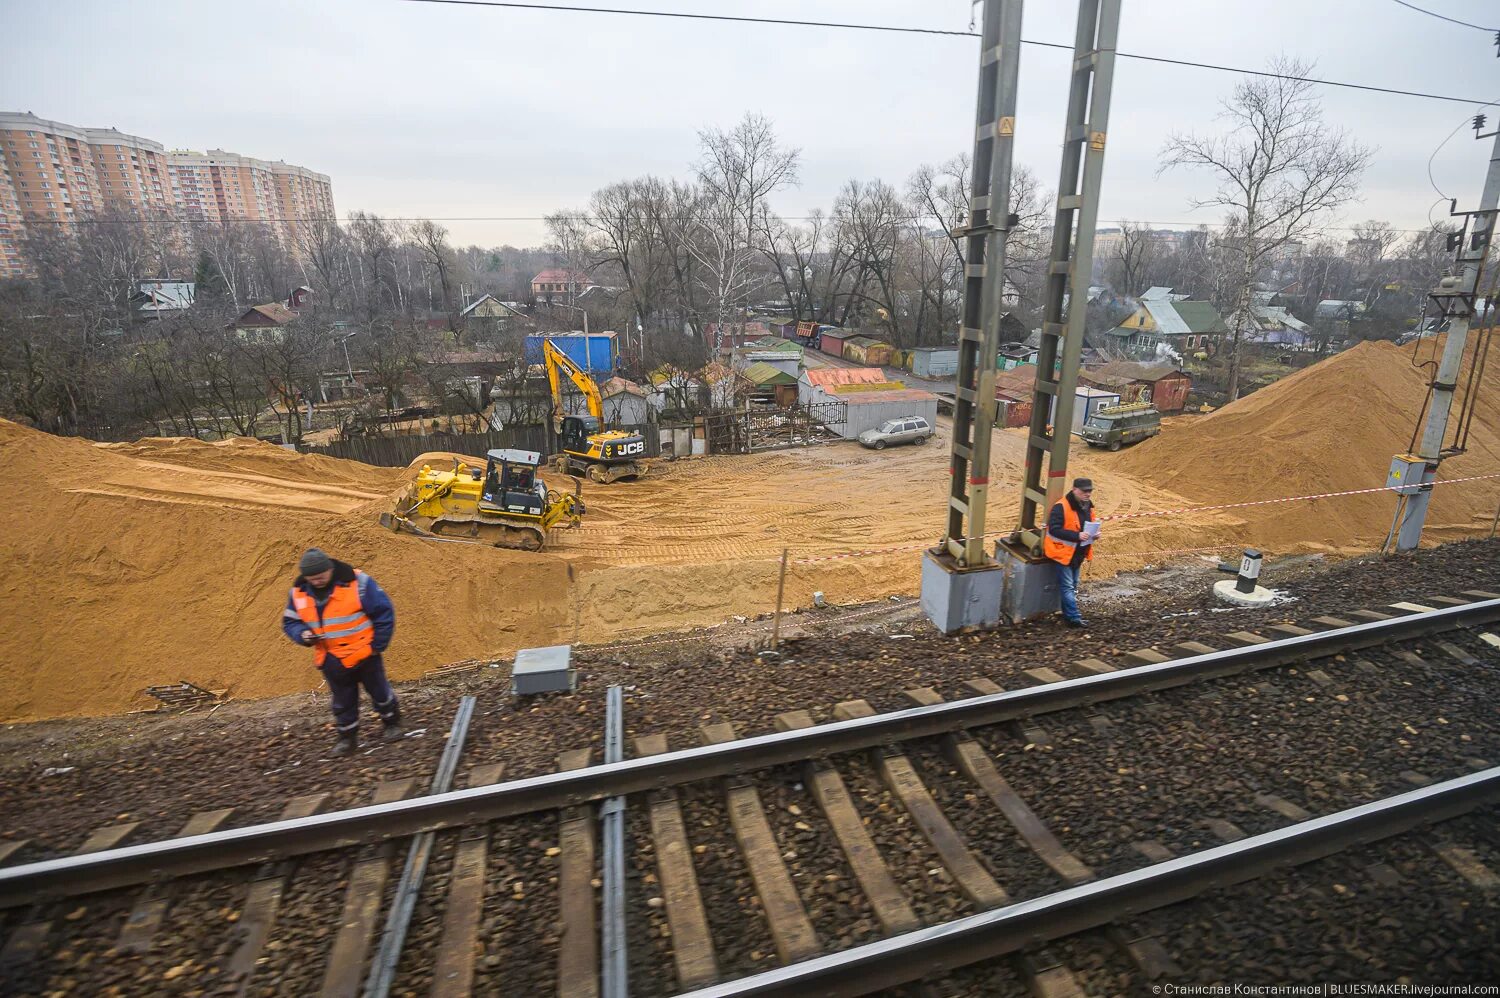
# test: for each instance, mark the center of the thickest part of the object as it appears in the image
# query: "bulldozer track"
(854, 850)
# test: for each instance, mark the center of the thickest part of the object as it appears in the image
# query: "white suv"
(905, 430)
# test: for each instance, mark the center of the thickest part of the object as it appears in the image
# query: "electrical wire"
(911, 219)
(1443, 17)
(1448, 138)
(854, 26)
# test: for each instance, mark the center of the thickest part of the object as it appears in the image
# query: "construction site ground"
(169, 559)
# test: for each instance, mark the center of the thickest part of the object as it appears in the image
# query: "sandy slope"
(127, 565)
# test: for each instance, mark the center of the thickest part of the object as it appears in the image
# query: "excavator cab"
(576, 431)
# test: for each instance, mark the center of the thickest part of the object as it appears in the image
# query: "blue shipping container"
(596, 353)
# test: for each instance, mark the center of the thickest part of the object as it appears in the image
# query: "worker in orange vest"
(347, 620)
(1070, 543)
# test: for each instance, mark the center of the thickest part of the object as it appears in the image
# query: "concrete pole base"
(1226, 591)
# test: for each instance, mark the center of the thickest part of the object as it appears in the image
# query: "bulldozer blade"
(397, 524)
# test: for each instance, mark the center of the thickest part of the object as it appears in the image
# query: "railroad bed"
(1045, 825)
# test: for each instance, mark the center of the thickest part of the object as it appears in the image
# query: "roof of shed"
(1132, 371)
(1019, 380)
(826, 377)
(1200, 317)
(762, 373)
(893, 395)
(620, 386)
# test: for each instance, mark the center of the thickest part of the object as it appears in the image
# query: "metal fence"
(400, 451)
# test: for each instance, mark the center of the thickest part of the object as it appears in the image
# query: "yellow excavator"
(506, 505)
(587, 447)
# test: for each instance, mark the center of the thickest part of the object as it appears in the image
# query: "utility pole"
(1031, 587)
(1414, 474)
(960, 583)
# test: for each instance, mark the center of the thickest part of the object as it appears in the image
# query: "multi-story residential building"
(222, 186)
(11, 229)
(59, 171)
(52, 173)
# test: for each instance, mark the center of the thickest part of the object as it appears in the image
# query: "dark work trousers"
(345, 683)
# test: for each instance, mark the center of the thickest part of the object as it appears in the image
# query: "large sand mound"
(1329, 428)
(123, 570)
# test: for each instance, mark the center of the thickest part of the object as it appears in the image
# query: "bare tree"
(1281, 169)
(737, 171)
(622, 216)
(431, 240)
(375, 242)
(572, 246)
(880, 236)
(1135, 257)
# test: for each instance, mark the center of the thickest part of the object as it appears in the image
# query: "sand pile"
(128, 566)
(1331, 427)
(244, 456)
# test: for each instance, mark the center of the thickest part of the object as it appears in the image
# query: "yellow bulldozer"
(587, 447)
(506, 504)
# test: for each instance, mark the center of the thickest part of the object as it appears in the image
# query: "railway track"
(863, 852)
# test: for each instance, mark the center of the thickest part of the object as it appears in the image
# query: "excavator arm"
(557, 361)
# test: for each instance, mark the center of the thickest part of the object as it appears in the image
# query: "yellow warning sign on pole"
(1008, 126)
(1096, 140)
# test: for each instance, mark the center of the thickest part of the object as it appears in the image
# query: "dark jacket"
(372, 600)
(1055, 525)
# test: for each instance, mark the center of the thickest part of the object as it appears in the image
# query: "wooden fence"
(398, 452)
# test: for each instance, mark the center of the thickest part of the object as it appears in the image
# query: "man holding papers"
(1072, 529)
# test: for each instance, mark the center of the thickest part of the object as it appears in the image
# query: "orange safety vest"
(1059, 550)
(344, 630)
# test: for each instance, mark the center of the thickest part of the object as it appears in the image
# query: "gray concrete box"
(543, 670)
(1031, 588)
(957, 601)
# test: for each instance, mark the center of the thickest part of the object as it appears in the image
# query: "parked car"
(905, 430)
(1121, 425)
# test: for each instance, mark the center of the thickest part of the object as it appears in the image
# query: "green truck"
(1117, 426)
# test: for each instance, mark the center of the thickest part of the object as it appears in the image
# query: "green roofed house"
(768, 383)
(1165, 318)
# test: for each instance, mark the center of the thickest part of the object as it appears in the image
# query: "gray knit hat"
(314, 562)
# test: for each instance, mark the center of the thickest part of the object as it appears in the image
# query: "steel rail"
(153, 861)
(383, 967)
(614, 970)
(941, 948)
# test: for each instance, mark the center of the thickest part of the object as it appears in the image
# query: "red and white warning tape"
(1266, 502)
(918, 545)
(1156, 512)
(890, 607)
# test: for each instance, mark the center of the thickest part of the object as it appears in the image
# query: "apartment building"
(11, 229)
(221, 186)
(52, 173)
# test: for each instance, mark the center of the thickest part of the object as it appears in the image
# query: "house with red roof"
(560, 282)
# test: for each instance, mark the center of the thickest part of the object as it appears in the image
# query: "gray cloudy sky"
(431, 110)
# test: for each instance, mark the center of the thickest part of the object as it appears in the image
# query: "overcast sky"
(419, 109)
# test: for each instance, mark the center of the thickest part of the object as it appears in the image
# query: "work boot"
(347, 743)
(1080, 622)
(393, 731)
